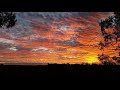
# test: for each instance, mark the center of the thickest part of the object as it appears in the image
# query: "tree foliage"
(112, 22)
(7, 19)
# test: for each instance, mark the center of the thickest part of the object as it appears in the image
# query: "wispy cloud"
(42, 49)
(13, 49)
(3, 40)
(70, 42)
(48, 36)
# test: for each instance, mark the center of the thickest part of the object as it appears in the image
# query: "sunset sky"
(53, 37)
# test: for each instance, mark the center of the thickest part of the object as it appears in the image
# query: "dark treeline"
(59, 72)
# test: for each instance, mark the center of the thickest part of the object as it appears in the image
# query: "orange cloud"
(84, 30)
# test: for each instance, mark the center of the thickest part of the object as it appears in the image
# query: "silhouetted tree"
(108, 63)
(7, 19)
(112, 22)
(102, 45)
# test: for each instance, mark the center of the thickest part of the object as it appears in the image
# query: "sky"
(53, 37)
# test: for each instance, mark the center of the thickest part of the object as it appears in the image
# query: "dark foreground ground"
(59, 72)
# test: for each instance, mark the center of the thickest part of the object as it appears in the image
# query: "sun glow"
(92, 59)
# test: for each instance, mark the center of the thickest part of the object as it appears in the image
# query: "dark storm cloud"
(25, 20)
(53, 15)
(46, 17)
(12, 47)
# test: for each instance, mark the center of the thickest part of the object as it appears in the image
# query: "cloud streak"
(50, 36)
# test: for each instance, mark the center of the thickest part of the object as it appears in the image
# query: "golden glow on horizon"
(92, 59)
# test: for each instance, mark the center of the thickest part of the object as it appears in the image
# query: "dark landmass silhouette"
(59, 72)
